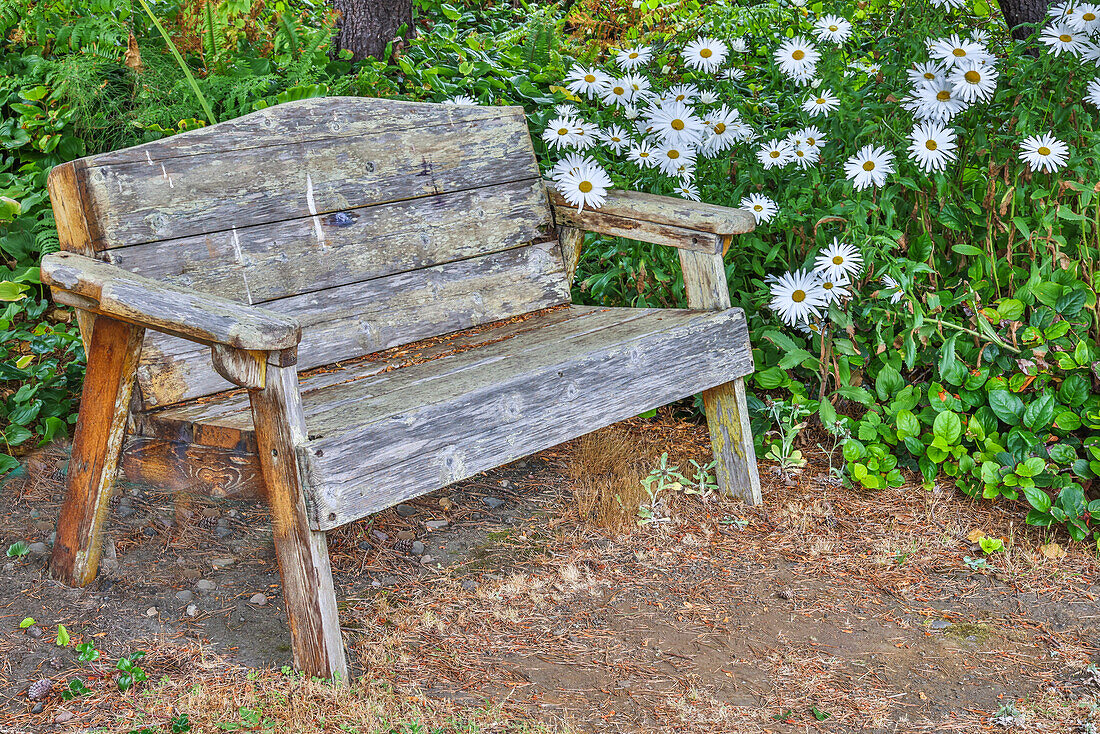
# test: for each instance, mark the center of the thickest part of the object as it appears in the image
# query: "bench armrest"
(662, 220)
(106, 289)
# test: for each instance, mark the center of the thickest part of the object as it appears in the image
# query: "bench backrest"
(374, 222)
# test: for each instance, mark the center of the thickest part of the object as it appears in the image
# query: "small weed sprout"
(664, 477)
(18, 549)
(789, 422)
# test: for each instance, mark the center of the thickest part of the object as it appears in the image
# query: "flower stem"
(965, 330)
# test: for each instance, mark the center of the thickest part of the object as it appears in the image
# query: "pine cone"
(402, 546)
(39, 689)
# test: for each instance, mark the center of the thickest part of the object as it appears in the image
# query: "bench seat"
(510, 391)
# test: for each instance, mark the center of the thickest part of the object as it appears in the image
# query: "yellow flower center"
(800, 153)
(618, 91)
(1089, 17)
(960, 52)
(633, 55)
(681, 97)
(798, 54)
(590, 78)
(930, 144)
(820, 100)
(774, 154)
(585, 186)
(674, 154)
(833, 28)
(758, 207)
(643, 154)
(706, 53)
(719, 128)
(943, 95)
(798, 296)
(1065, 38)
(826, 284)
(1043, 150)
(929, 75)
(811, 142)
(839, 259)
(677, 124)
(869, 166)
(972, 76)
(563, 131)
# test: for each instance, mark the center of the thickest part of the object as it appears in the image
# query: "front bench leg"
(725, 406)
(302, 553)
(114, 348)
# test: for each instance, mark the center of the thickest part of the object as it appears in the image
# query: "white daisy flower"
(979, 35)
(686, 171)
(1090, 52)
(960, 4)
(839, 261)
(1044, 152)
(682, 93)
(630, 112)
(813, 328)
(585, 185)
(705, 54)
(805, 156)
(571, 163)
(707, 97)
(823, 104)
(795, 139)
(566, 110)
(639, 86)
(742, 131)
(1060, 37)
(1063, 11)
(953, 49)
(676, 123)
(936, 101)
(739, 45)
(797, 297)
(1086, 19)
(836, 288)
(688, 191)
(642, 154)
(461, 99)
(833, 28)
(927, 72)
(932, 146)
(869, 167)
(812, 137)
(723, 133)
(973, 82)
(797, 57)
(1092, 92)
(775, 153)
(892, 290)
(615, 137)
(734, 74)
(561, 132)
(629, 59)
(616, 91)
(762, 207)
(588, 82)
(585, 135)
(671, 157)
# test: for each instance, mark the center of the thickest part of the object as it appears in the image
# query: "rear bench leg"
(113, 351)
(725, 406)
(302, 553)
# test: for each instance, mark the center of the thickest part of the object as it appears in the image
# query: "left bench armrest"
(662, 220)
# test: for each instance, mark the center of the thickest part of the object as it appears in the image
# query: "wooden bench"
(286, 251)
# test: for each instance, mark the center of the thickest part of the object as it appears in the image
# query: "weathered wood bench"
(284, 252)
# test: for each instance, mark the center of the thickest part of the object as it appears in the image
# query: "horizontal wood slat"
(270, 261)
(635, 229)
(650, 208)
(362, 318)
(466, 421)
(213, 192)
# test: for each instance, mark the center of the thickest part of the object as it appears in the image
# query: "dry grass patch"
(607, 469)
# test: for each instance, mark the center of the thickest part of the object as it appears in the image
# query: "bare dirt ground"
(824, 609)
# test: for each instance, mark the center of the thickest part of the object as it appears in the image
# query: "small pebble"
(223, 562)
(258, 599)
(426, 559)
(125, 509)
(505, 483)
(151, 612)
(205, 585)
(364, 546)
(38, 549)
(493, 502)
(379, 536)
(9, 566)
(62, 717)
(405, 535)
(37, 708)
(469, 585)
(184, 595)
(34, 631)
(436, 524)
(222, 532)
(446, 503)
(191, 573)
(52, 539)
(784, 594)
(939, 624)
(417, 548)
(192, 610)
(233, 513)
(35, 514)
(405, 510)
(149, 531)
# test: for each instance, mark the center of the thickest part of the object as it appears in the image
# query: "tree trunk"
(366, 26)
(1023, 11)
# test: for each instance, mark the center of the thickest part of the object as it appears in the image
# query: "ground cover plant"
(959, 337)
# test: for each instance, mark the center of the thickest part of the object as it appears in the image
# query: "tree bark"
(1023, 11)
(366, 26)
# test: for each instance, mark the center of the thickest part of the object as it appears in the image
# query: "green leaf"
(858, 394)
(1033, 467)
(907, 423)
(1067, 420)
(1074, 390)
(888, 383)
(450, 12)
(1039, 413)
(819, 714)
(1037, 498)
(13, 291)
(1071, 303)
(1006, 406)
(1010, 309)
(62, 636)
(948, 427)
(770, 378)
(827, 413)
(27, 622)
(1082, 354)
(18, 549)
(991, 545)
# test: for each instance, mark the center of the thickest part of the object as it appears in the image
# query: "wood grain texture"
(108, 290)
(355, 320)
(302, 553)
(276, 260)
(97, 442)
(238, 366)
(571, 240)
(668, 210)
(148, 201)
(725, 405)
(225, 473)
(426, 426)
(596, 220)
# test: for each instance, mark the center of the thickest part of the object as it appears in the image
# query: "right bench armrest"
(106, 289)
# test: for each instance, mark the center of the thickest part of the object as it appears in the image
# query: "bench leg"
(728, 419)
(302, 553)
(113, 351)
